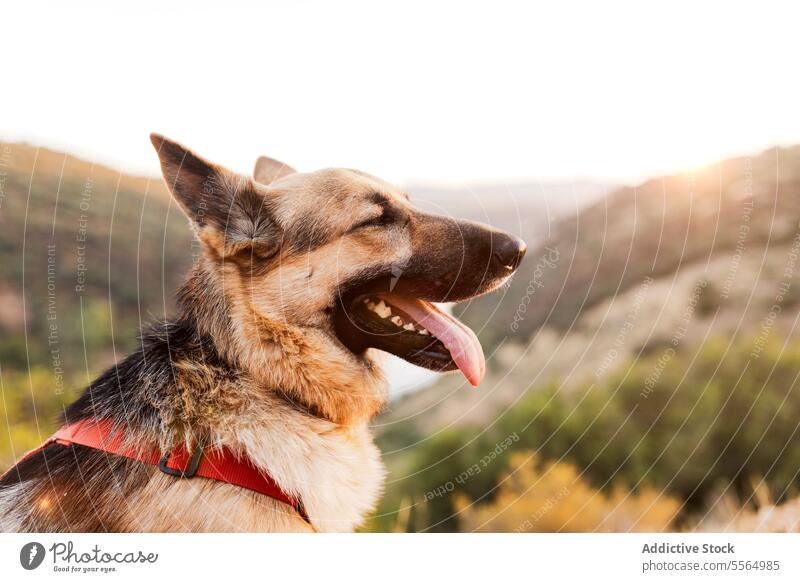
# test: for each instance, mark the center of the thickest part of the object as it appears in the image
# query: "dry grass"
(552, 497)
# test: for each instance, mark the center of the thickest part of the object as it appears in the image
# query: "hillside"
(651, 230)
(81, 246)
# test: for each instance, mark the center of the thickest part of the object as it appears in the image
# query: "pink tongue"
(460, 341)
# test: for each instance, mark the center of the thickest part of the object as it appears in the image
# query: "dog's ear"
(268, 170)
(227, 209)
(194, 182)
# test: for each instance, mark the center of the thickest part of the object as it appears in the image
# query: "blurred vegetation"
(717, 417)
(552, 497)
(30, 408)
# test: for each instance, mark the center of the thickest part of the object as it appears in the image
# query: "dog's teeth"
(409, 327)
(397, 321)
(423, 331)
(383, 310)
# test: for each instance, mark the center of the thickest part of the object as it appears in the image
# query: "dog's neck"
(300, 364)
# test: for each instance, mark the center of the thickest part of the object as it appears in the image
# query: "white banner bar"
(402, 557)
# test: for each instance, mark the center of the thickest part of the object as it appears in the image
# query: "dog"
(272, 361)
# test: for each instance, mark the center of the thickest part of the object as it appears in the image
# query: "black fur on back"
(129, 392)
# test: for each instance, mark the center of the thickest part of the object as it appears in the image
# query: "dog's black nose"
(508, 251)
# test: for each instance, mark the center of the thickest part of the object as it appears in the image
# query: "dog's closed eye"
(383, 219)
(389, 214)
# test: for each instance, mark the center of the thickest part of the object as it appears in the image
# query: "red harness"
(220, 465)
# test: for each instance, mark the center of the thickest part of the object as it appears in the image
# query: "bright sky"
(411, 91)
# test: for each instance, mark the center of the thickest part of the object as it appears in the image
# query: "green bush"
(30, 406)
(688, 423)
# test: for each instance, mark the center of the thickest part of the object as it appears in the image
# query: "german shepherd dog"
(272, 355)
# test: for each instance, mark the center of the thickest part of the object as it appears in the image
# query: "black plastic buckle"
(190, 469)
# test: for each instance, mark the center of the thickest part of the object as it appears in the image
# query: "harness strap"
(217, 464)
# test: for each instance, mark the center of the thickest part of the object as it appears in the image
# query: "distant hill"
(87, 254)
(648, 230)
